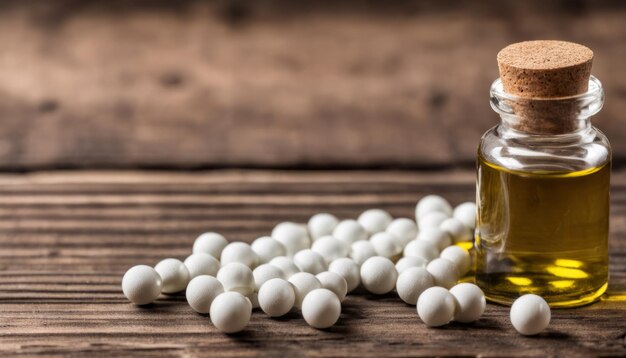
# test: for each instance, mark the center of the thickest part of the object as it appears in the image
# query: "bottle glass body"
(543, 201)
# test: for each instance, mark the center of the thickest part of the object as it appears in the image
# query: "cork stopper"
(541, 70)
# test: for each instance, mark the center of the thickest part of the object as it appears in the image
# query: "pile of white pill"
(312, 267)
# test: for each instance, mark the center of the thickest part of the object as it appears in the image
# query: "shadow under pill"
(291, 315)
(483, 323)
(351, 310)
(386, 296)
(549, 334)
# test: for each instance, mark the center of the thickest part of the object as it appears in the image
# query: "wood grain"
(66, 239)
(269, 83)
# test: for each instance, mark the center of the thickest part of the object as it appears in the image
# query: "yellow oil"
(542, 232)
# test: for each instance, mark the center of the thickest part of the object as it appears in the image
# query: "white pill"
(412, 282)
(360, 251)
(444, 272)
(435, 306)
(201, 264)
(439, 238)
(349, 231)
(334, 282)
(293, 236)
(286, 265)
(276, 297)
(264, 273)
(239, 252)
(201, 291)
(321, 225)
(404, 230)
(310, 261)
(174, 275)
(210, 243)
(410, 261)
(141, 284)
(303, 283)
(348, 269)
(420, 248)
(432, 203)
(330, 248)
(230, 312)
(385, 244)
(470, 302)
(459, 256)
(530, 314)
(432, 220)
(267, 248)
(457, 230)
(466, 213)
(321, 308)
(378, 275)
(238, 277)
(375, 220)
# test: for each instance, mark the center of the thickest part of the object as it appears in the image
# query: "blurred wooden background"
(284, 84)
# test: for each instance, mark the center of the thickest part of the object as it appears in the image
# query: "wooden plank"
(66, 239)
(273, 83)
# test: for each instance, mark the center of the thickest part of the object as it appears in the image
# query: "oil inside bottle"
(542, 232)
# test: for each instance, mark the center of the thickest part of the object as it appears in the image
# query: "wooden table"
(66, 239)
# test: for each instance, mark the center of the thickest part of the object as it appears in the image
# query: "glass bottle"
(543, 200)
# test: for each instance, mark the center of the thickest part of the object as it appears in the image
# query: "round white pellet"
(432, 203)
(303, 283)
(375, 220)
(410, 261)
(201, 291)
(276, 297)
(378, 275)
(230, 312)
(210, 243)
(174, 275)
(444, 272)
(420, 248)
(435, 306)
(385, 244)
(360, 251)
(321, 308)
(267, 248)
(239, 252)
(310, 261)
(264, 273)
(457, 230)
(530, 314)
(330, 248)
(348, 269)
(201, 264)
(404, 230)
(439, 238)
(412, 282)
(286, 265)
(466, 213)
(238, 277)
(470, 302)
(432, 220)
(293, 236)
(349, 231)
(321, 225)
(141, 284)
(459, 256)
(334, 282)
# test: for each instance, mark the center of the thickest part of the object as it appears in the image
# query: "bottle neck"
(518, 126)
(546, 117)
